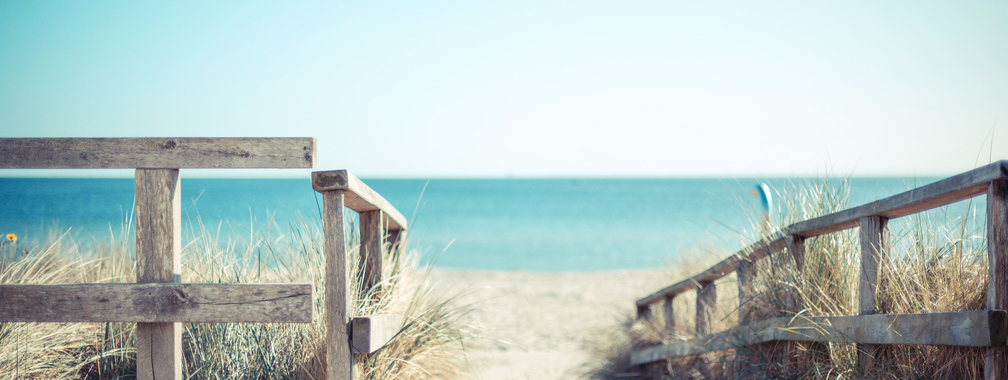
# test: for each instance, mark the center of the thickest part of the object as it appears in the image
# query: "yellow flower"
(12, 238)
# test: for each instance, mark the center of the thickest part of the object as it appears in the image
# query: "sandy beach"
(537, 325)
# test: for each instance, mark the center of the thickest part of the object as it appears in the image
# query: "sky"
(425, 89)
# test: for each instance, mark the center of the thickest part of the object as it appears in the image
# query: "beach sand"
(538, 325)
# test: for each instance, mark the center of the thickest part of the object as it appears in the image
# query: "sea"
(542, 225)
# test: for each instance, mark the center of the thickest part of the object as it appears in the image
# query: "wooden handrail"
(939, 193)
(753, 252)
(986, 328)
(157, 152)
(157, 302)
(975, 328)
(381, 225)
(358, 196)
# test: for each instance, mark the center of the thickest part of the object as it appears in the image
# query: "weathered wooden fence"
(158, 302)
(381, 225)
(976, 328)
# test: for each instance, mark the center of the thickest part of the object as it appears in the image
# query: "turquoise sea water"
(528, 224)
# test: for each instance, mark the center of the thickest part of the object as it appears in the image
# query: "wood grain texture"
(370, 251)
(359, 197)
(157, 356)
(158, 241)
(939, 193)
(996, 358)
(339, 360)
(980, 328)
(158, 225)
(373, 332)
(150, 303)
(874, 233)
(706, 301)
(162, 152)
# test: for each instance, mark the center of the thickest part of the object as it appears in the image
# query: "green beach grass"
(938, 264)
(430, 345)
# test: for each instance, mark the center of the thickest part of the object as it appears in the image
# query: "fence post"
(158, 240)
(996, 358)
(370, 263)
(396, 240)
(669, 314)
(796, 247)
(339, 360)
(746, 271)
(644, 312)
(874, 235)
(705, 301)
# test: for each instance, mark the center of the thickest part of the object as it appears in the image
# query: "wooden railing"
(380, 225)
(158, 302)
(982, 328)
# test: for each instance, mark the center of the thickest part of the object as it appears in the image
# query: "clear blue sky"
(528, 88)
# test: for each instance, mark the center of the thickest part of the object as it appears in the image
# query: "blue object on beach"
(763, 192)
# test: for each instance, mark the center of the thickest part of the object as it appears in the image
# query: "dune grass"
(937, 264)
(430, 344)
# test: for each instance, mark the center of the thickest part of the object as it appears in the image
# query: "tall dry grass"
(426, 347)
(937, 263)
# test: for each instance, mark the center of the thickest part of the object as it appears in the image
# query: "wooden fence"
(976, 328)
(159, 302)
(378, 220)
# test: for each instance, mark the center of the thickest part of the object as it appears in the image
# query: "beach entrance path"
(539, 325)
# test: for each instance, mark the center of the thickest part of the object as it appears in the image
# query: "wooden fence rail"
(346, 335)
(158, 302)
(157, 309)
(978, 328)
(985, 328)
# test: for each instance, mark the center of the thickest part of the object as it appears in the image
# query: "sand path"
(537, 325)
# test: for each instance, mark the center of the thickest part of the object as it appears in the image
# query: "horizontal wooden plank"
(159, 302)
(157, 152)
(983, 328)
(371, 333)
(937, 194)
(775, 243)
(358, 197)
